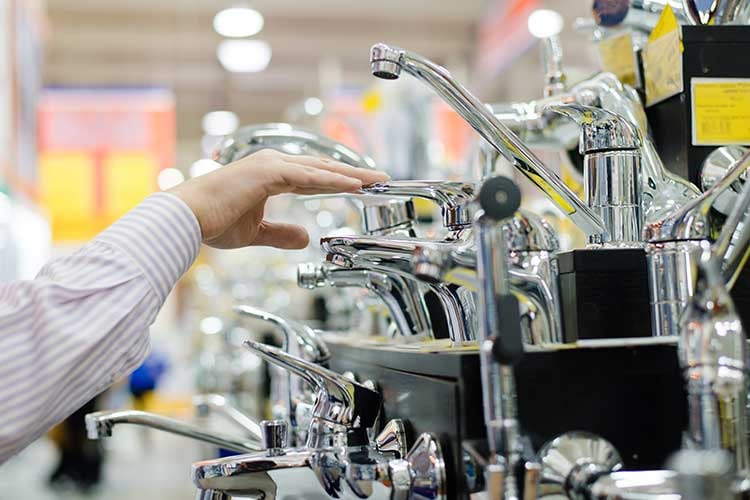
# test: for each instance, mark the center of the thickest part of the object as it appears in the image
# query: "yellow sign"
(667, 23)
(662, 68)
(127, 179)
(721, 111)
(616, 56)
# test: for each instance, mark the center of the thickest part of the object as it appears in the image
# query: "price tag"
(662, 68)
(616, 56)
(720, 110)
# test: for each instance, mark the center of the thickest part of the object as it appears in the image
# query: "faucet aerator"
(387, 70)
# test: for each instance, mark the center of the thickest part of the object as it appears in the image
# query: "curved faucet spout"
(388, 62)
(100, 424)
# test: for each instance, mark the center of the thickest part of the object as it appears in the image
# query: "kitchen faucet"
(337, 452)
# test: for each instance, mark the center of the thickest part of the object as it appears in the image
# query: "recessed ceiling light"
(238, 22)
(220, 123)
(544, 23)
(244, 56)
(313, 106)
(203, 166)
(169, 178)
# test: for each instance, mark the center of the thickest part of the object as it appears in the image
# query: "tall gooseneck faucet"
(387, 62)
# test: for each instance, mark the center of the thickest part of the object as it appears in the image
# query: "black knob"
(499, 197)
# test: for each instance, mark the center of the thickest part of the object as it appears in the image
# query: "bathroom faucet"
(291, 397)
(337, 452)
(404, 307)
(674, 246)
(388, 62)
(100, 424)
(207, 403)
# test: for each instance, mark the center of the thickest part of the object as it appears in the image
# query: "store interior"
(104, 103)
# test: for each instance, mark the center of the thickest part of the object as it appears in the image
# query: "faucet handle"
(601, 130)
(454, 198)
(339, 400)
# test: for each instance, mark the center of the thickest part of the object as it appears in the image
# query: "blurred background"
(104, 102)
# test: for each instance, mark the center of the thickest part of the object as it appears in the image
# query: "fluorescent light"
(203, 166)
(544, 23)
(219, 123)
(313, 106)
(238, 22)
(169, 178)
(244, 56)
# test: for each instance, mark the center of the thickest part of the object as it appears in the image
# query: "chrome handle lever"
(339, 401)
(454, 198)
(601, 130)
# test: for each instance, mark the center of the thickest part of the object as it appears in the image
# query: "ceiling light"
(238, 22)
(169, 178)
(202, 167)
(220, 123)
(544, 23)
(313, 106)
(244, 56)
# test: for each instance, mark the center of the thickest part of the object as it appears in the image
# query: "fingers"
(291, 177)
(367, 176)
(280, 235)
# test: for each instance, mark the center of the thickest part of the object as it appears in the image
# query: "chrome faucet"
(387, 62)
(533, 272)
(661, 191)
(673, 249)
(291, 398)
(713, 354)
(404, 307)
(337, 453)
(100, 424)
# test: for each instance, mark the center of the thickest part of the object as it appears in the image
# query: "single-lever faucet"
(337, 453)
(673, 248)
(388, 62)
(403, 305)
(100, 424)
(532, 270)
(291, 398)
(661, 191)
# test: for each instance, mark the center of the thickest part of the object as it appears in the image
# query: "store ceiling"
(172, 43)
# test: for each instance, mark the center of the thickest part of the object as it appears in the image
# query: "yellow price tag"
(662, 68)
(616, 56)
(666, 24)
(720, 111)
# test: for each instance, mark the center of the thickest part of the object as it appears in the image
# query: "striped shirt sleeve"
(83, 322)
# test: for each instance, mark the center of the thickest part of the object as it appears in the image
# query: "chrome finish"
(275, 436)
(715, 167)
(672, 265)
(289, 393)
(427, 469)
(636, 485)
(733, 244)
(288, 139)
(642, 15)
(388, 62)
(391, 255)
(611, 169)
(702, 13)
(206, 403)
(572, 461)
(713, 354)
(403, 298)
(100, 424)
(552, 61)
(703, 475)
(340, 404)
(392, 439)
(454, 198)
(661, 191)
(386, 216)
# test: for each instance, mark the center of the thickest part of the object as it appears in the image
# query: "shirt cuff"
(161, 235)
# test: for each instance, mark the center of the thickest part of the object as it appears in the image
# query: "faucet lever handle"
(601, 130)
(339, 399)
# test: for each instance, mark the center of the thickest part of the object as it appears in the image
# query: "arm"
(83, 322)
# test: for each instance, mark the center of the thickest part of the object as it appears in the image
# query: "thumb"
(280, 235)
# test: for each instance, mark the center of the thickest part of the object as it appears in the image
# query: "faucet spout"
(100, 424)
(206, 403)
(388, 62)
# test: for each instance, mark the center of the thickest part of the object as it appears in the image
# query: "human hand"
(229, 202)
